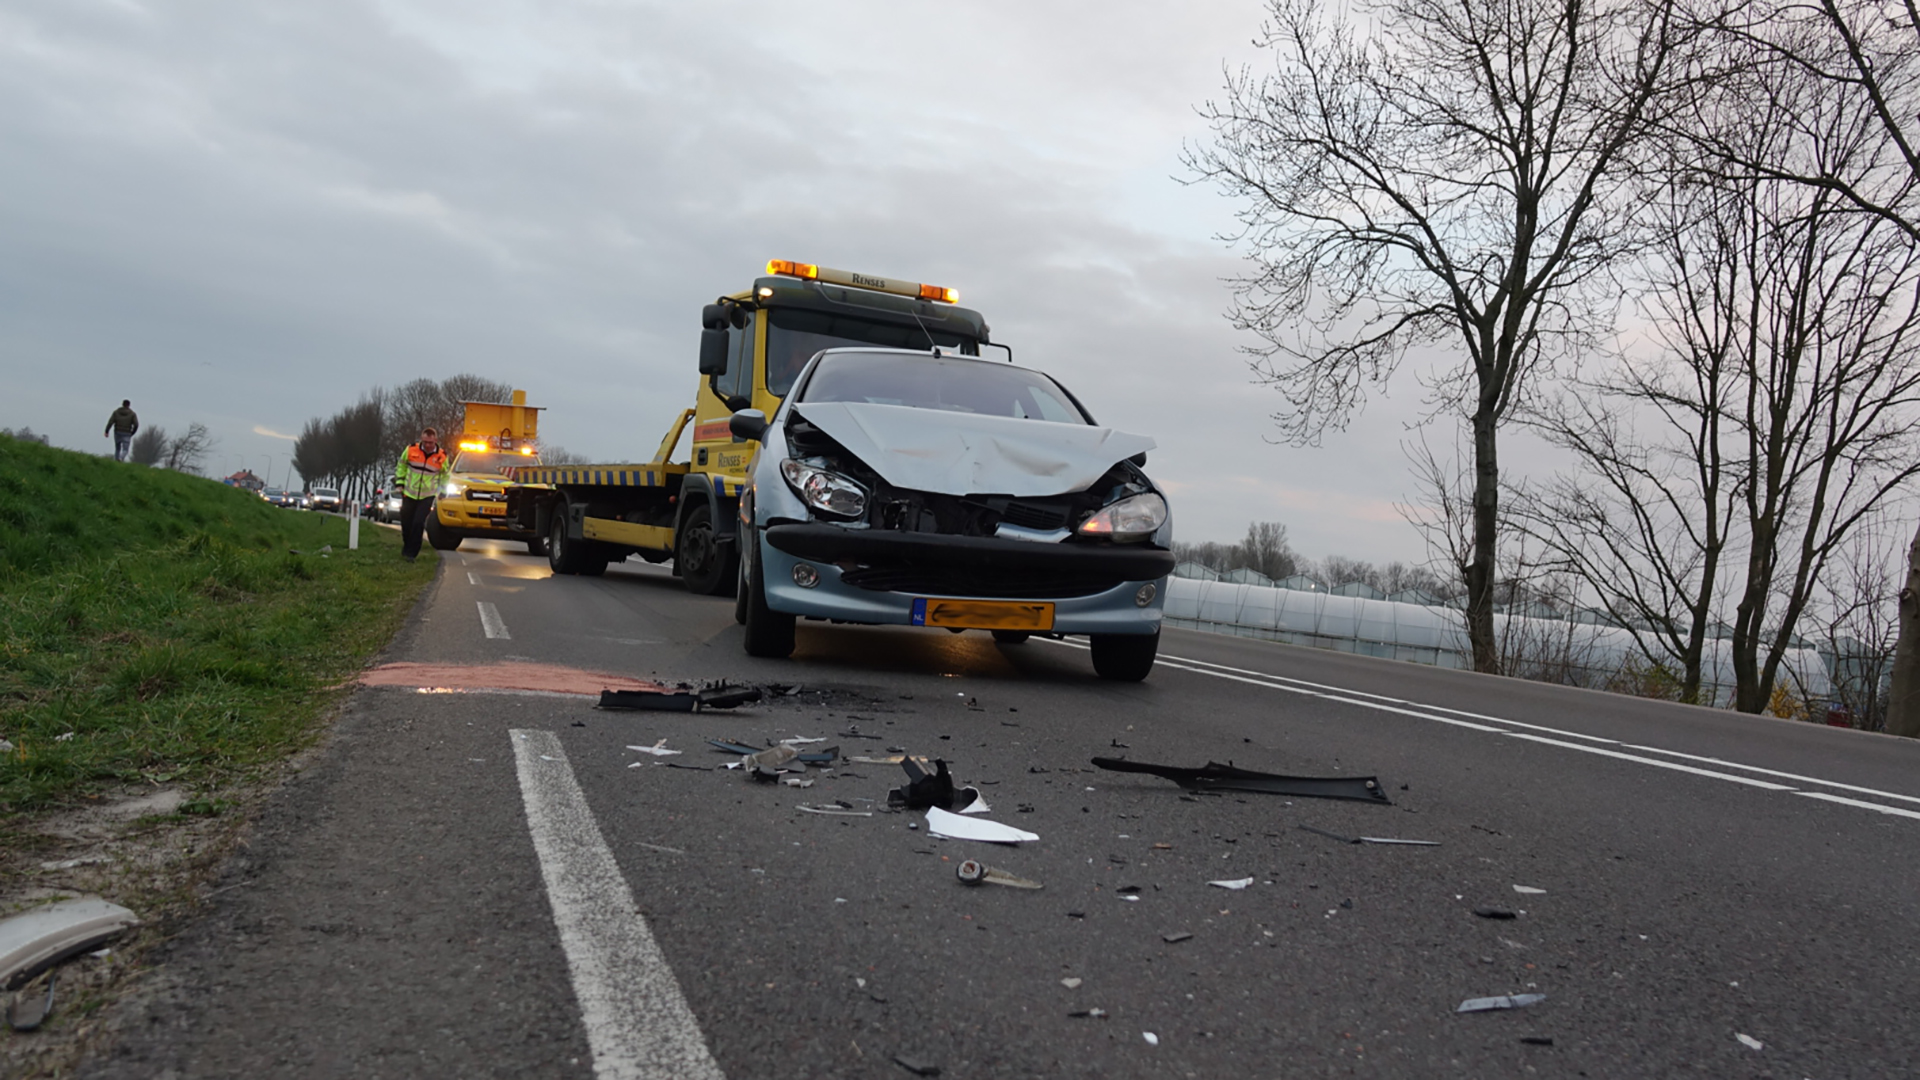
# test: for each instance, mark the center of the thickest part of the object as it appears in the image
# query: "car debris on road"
(1217, 777)
(950, 826)
(1504, 1001)
(975, 872)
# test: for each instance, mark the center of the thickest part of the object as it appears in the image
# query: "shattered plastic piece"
(36, 939)
(1152, 1039)
(1218, 777)
(1070, 982)
(1176, 938)
(976, 804)
(801, 740)
(726, 697)
(1392, 840)
(812, 757)
(1236, 885)
(795, 781)
(658, 749)
(1528, 890)
(648, 700)
(771, 758)
(1089, 1014)
(30, 1009)
(1494, 912)
(1505, 1001)
(975, 872)
(916, 1066)
(1537, 1040)
(956, 827)
(924, 789)
(1749, 1041)
(834, 811)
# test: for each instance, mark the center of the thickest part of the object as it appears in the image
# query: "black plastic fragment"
(916, 1066)
(1218, 777)
(648, 700)
(727, 697)
(924, 789)
(1495, 913)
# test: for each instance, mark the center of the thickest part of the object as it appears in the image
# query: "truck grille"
(960, 581)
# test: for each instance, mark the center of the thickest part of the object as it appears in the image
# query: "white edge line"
(473, 578)
(1274, 682)
(638, 1024)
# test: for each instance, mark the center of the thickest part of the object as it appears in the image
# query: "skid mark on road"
(1497, 725)
(491, 622)
(638, 1023)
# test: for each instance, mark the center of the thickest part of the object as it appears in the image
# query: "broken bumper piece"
(1218, 777)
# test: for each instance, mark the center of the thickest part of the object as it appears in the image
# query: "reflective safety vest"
(419, 474)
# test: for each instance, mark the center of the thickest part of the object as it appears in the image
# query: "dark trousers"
(413, 522)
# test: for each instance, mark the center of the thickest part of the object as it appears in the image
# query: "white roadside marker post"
(353, 527)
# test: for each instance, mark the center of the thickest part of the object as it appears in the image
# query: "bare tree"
(184, 453)
(1266, 550)
(1446, 177)
(149, 446)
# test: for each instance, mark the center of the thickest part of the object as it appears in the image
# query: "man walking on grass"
(122, 424)
(422, 468)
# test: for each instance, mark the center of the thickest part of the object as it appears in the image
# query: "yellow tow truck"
(752, 345)
(494, 438)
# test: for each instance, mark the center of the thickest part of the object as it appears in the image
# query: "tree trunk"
(1903, 702)
(1480, 570)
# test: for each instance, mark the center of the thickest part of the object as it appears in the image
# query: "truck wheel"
(707, 566)
(561, 555)
(1011, 637)
(441, 537)
(536, 546)
(769, 632)
(1124, 657)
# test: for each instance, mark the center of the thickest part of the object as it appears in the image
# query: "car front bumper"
(467, 516)
(899, 568)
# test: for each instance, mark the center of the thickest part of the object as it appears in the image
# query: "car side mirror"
(749, 424)
(713, 352)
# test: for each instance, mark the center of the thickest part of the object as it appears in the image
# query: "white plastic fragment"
(36, 938)
(63, 738)
(1504, 1001)
(1152, 1039)
(1528, 890)
(801, 740)
(1235, 885)
(1070, 982)
(979, 803)
(953, 826)
(1749, 1041)
(658, 749)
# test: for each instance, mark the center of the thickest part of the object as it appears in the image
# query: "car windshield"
(795, 334)
(947, 384)
(326, 493)
(491, 461)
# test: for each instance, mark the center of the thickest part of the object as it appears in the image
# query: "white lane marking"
(1824, 797)
(491, 622)
(1356, 697)
(638, 1024)
(1782, 775)
(473, 578)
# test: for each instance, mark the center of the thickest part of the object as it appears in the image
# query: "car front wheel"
(441, 537)
(1124, 657)
(769, 632)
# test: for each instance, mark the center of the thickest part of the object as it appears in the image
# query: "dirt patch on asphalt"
(544, 678)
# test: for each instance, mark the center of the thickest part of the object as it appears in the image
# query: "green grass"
(165, 623)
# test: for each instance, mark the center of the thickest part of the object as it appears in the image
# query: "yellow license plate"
(984, 614)
(493, 511)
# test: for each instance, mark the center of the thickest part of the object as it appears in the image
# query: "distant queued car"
(324, 498)
(282, 497)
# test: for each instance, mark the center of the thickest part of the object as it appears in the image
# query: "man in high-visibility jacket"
(417, 476)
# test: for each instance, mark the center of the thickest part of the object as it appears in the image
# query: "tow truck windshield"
(795, 334)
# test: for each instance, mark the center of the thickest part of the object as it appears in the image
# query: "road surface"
(469, 883)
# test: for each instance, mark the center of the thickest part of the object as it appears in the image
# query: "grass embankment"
(157, 628)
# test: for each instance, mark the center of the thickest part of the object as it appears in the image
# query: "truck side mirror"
(749, 424)
(713, 352)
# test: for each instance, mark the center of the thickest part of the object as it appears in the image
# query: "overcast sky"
(246, 214)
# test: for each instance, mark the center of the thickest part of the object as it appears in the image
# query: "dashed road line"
(473, 578)
(1593, 744)
(492, 623)
(638, 1023)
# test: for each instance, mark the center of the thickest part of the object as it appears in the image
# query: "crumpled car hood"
(953, 453)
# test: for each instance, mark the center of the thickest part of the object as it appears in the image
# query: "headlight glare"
(1133, 518)
(451, 490)
(827, 492)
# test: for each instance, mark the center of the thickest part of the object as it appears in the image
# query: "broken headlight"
(1133, 518)
(825, 491)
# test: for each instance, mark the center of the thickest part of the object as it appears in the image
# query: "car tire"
(1124, 657)
(441, 537)
(769, 632)
(740, 590)
(563, 555)
(709, 567)
(1011, 637)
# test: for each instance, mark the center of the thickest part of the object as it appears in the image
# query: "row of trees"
(1267, 550)
(1490, 178)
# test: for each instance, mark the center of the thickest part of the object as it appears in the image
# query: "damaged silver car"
(941, 490)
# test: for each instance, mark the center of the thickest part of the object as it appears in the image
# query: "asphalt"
(388, 917)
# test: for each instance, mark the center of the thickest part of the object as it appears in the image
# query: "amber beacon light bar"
(810, 272)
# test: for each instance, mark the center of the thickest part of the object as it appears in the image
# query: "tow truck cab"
(494, 438)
